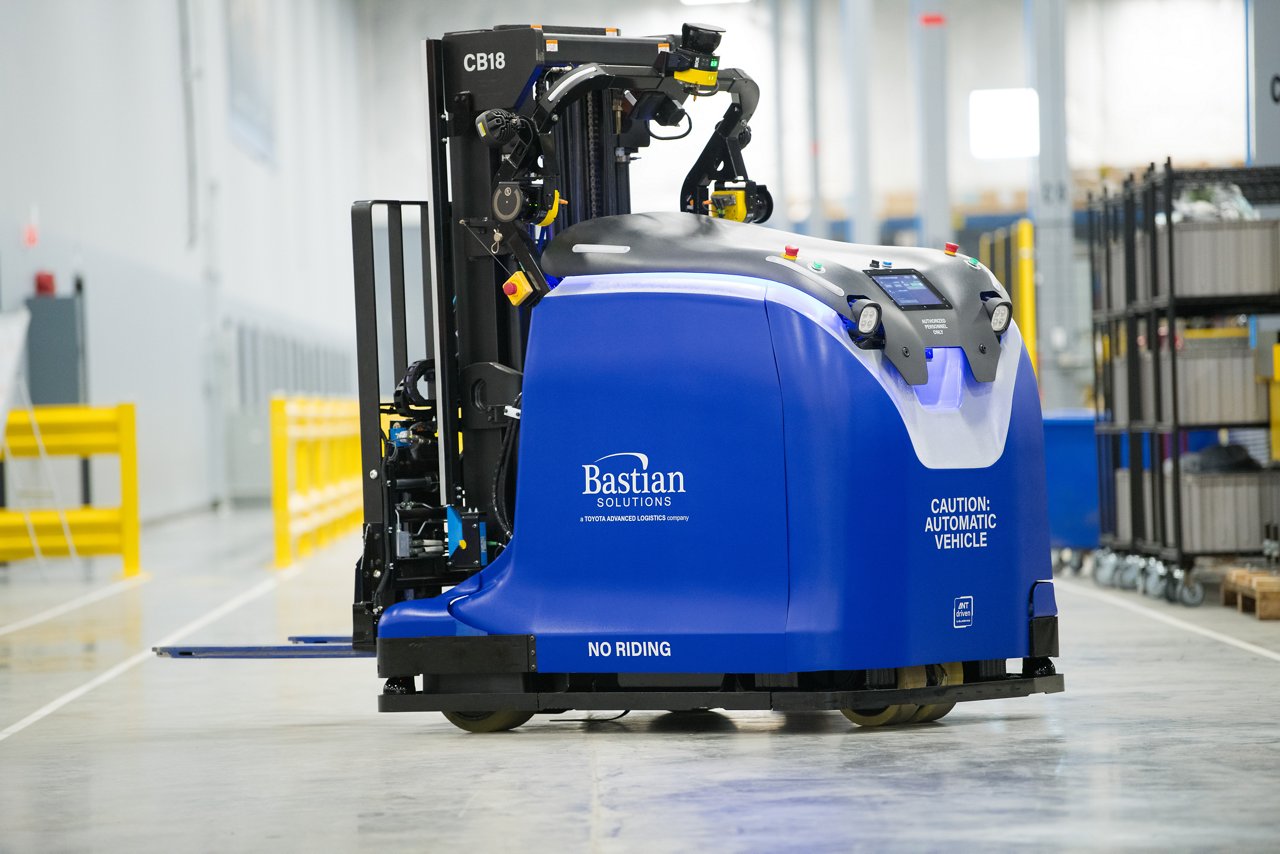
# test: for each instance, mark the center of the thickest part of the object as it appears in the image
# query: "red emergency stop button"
(951, 248)
(790, 252)
(517, 288)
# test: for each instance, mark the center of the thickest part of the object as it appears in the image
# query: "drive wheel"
(908, 677)
(951, 673)
(487, 721)
(876, 717)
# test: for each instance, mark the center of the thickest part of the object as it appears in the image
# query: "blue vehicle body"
(714, 479)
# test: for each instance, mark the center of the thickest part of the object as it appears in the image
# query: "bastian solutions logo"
(624, 480)
(625, 488)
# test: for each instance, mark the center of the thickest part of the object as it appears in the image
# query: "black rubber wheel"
(487, 721)
(907, 677)
(951, 673)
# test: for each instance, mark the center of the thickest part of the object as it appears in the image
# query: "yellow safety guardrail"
(315, 473)
(1011, 255)
(75, 431)
(1275, 402)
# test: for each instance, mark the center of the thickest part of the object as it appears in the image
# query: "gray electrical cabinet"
(55, 361)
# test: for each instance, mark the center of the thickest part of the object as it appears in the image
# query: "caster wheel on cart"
(908, 677)
(1191, 593)
(1077, 561)
(1104, 568)
(951, 673)
(1127, 576)
(1157, 579)
(487, 721)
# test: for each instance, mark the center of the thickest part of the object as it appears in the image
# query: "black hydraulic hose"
(501, 474)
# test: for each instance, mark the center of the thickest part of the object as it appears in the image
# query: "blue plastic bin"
(1071, 463)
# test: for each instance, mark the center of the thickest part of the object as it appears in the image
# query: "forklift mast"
(531, 129)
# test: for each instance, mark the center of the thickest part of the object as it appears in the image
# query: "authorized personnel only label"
(962, 522)
(936, 325)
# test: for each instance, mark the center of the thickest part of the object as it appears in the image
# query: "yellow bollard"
(999, 239)
(1024, 298)
(130, 527)
(1275, 402)
(280, 480)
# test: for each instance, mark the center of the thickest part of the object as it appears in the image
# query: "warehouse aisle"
(1165, 738)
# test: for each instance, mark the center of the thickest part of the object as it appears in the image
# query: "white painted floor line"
(1120, 602)
(72, 604)
(257, 591)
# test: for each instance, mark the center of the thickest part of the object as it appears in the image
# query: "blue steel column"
(929, 56)
(857, 21)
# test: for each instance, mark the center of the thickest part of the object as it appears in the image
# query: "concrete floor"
(1165, 739)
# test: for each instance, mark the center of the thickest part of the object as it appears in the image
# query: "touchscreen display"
(908, 289)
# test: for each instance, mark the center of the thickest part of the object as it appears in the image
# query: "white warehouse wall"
(1150, 78)
(94, 138)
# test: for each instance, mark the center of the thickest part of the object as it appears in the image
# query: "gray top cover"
(690, 243)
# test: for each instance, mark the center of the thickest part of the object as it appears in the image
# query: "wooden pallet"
(1252, 591)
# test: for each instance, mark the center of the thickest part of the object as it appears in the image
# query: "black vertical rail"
(1137, 523)
(443, 312)
(1158, 521)
(1107, 462)
(86, 470)
(1115, 331)
(367, 384)
(1096, 339)
(1175, 421)
(1108, 324)
(395, 258)
(622, 172)
(426, 283)
(474, 297)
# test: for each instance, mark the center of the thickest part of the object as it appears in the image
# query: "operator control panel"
(909, 290)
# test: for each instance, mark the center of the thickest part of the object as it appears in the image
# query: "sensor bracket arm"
(516, 237)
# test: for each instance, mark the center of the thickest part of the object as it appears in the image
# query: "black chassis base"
(493, 673)
(779, 700)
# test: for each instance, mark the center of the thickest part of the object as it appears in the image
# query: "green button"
(816, 266)
(972, 262)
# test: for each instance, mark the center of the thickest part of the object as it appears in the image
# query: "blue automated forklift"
(677, 460)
